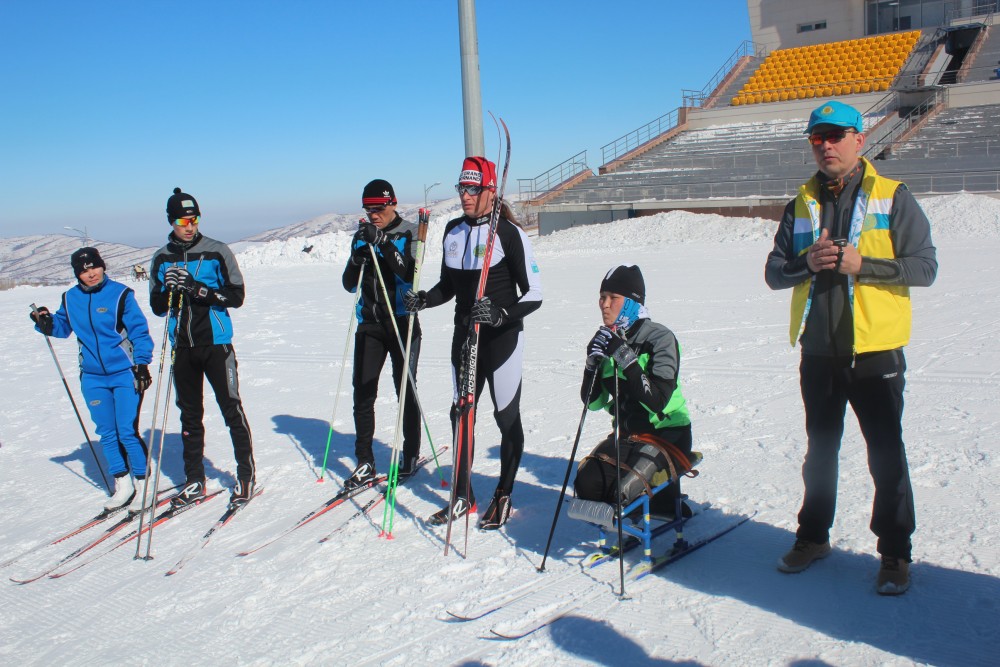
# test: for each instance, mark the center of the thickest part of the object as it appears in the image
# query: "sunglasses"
(374, 209)
(473, 190)
(833, 136)
(184, 222)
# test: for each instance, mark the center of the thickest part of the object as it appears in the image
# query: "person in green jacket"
(633, 371)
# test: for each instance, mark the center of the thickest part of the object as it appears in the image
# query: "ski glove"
(414, 301)
(178, 279)
(606, 343)
(360, 255)
(369, 233)
(142, 377)
(485, 311)
(43, 318)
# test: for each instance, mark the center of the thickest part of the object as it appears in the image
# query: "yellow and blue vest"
(881, 313)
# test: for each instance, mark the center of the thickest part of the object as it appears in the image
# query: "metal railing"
(955, 12)
(892, 137)
(959, 148)
(528, 188)
(639, 136)
(695, 98)
(948, 182)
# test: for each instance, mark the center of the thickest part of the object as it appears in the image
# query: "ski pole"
(343, 366)
(152, 423)
(618, 494)
(402, 347)
(389, 510)
(62, 376)
(569, 467)
(163, 430)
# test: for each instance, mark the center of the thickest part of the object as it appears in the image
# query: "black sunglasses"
(473, 190)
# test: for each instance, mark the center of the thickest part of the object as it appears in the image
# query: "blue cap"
(835, 113)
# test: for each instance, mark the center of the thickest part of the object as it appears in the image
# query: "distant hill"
(44, 259)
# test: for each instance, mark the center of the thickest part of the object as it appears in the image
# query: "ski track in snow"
(367, 600)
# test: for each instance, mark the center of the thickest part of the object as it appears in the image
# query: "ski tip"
(444, 484)
(320, 480)
(389, 536)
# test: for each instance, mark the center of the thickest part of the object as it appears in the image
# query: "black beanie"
(85, 258)
(627, 281)
(181, 205)
(378, 193)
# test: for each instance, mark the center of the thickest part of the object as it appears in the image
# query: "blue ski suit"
(113, 336)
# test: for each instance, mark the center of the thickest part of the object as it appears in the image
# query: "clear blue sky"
(275, 112)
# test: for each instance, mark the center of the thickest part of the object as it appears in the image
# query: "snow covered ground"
(360, 599)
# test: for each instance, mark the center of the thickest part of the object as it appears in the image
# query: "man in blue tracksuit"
(201, 276)
(115, 350)
(392, 239)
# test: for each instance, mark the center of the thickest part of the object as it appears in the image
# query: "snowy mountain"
(361, 599)
(45, 259)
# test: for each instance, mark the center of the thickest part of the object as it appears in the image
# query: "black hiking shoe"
(497, 513)
(458, 509)
(192, 494)
(363, 475)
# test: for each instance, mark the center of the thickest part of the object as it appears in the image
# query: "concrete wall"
(755, 113)
(974, 94)
(565, 217)
(773, 23)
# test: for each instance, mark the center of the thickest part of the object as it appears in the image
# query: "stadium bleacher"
(930, 99)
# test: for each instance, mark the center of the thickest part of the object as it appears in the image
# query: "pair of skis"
(86, 525)
(73, 559)
(550, 612)
(466, 407)
(336, 501)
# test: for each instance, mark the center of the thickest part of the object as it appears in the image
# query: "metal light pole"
(427, 189)
(472, 103)
(86, 237)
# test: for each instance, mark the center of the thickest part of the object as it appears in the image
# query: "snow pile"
(963, 216)
(668, 228)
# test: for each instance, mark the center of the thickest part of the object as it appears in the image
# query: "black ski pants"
(372, 343)
(499, 363)
(217, 363)
(873, 385)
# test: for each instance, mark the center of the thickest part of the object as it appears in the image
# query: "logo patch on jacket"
(102, 310)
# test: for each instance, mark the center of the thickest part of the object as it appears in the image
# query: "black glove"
(606, 343)
(142, 377)
(414, 301)
(369, 233)
(177, 279)
(360, 256)
(43, 318)
(485, 311)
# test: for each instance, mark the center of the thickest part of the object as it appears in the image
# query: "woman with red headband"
(513, 290)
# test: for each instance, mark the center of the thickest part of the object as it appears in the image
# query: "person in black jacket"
(392, 239)
(513, 290)
(201, 274)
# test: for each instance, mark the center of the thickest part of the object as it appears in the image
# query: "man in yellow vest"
(850, 246)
